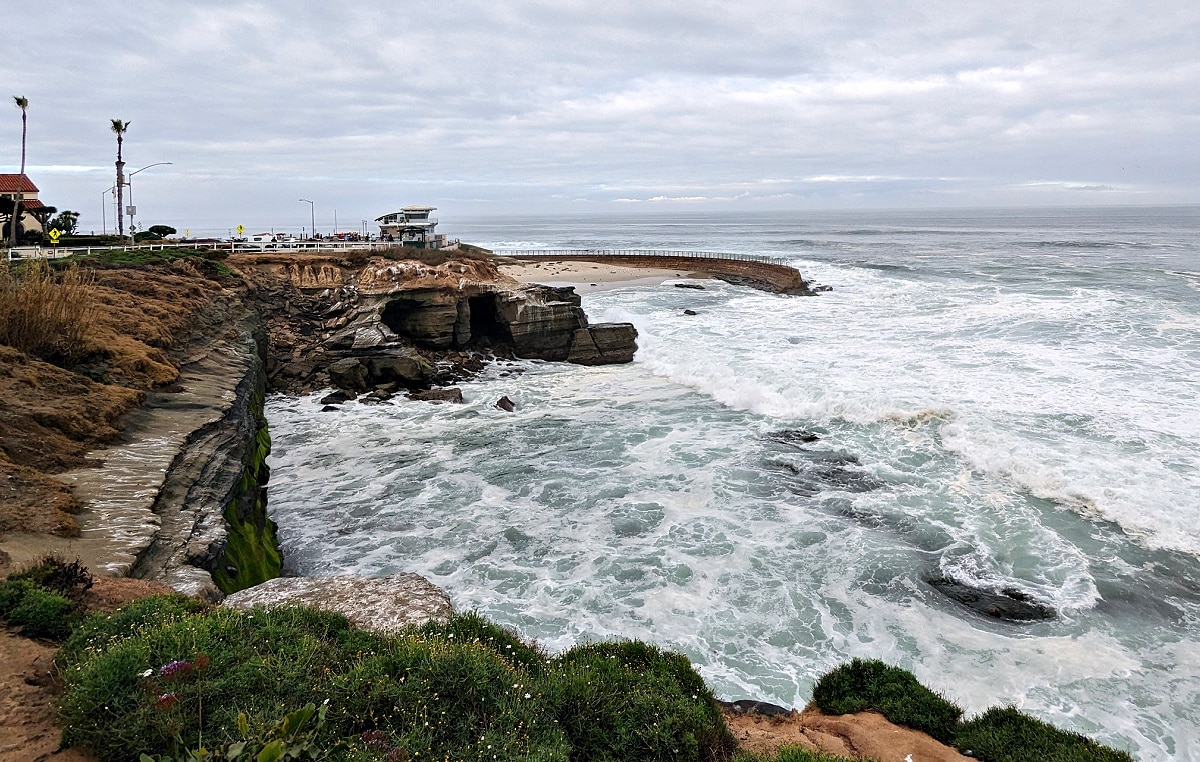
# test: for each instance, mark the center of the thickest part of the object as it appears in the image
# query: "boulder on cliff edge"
(385, 604)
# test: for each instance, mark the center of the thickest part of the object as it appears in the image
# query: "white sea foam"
(1013, 415)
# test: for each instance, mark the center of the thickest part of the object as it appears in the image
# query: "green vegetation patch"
(870, 685)
(207, 261)
(1005, 734)
(631, 700)
(251, 555)
(45, 599)
(162, 677)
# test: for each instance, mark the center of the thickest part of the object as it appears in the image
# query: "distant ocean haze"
(1000, 400)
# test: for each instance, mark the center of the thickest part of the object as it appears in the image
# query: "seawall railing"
(653, 253)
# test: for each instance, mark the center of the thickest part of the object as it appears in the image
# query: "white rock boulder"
(384, 604)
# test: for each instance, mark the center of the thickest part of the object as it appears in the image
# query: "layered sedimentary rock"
(409, 324)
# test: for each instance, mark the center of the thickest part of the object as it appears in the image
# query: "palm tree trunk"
(18, 197)
(120, 189)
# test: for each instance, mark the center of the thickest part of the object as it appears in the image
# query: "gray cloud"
(523, 106)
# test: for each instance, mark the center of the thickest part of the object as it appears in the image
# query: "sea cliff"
(176, 492)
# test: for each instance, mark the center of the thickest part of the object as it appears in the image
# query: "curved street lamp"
(129, 182)
(312, 217)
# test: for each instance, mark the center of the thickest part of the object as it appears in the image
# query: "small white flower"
(147, 673)
(528, 696)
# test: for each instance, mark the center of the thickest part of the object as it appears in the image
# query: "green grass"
(207, 261)
(466, 688)
(168, 673)
(38, 612)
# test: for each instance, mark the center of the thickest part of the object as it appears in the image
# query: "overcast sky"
(513, 106)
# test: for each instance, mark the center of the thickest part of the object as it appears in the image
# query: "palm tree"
(23, 104)
(119, 127)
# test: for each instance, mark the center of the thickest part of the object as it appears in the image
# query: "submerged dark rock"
(696, 286)
(820, 470)
(793, 436)
(1006, 604)
(690, 312)
(504, 403)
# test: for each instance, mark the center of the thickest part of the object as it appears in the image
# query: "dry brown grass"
(46, 313)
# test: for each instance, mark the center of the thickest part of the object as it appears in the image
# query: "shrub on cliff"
(630, 700)
(870, 685)
(998, 735)
(1005, 734)
(45, 599)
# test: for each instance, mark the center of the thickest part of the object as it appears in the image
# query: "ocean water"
(1007, 398)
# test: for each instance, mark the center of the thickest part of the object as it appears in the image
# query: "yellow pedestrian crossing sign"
(241, 229)
(54, 236)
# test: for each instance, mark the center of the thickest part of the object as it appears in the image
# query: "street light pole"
(129, 182)
(312, 217)
(104, 210)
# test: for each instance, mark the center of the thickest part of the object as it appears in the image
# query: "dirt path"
(28, 687)
(865, 735)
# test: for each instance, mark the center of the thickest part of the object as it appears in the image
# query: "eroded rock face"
(385, 604)
(402, 322)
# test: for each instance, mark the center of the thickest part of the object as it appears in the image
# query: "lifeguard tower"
(411, 226)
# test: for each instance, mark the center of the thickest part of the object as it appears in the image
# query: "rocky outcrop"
(387, 604)
(387, 325)
(603, 344)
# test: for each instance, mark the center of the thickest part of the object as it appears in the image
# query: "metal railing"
(649, 253)
(246, 247)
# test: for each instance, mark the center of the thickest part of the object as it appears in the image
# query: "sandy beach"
(589, 277)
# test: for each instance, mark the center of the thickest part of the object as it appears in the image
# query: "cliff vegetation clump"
(1001, 734)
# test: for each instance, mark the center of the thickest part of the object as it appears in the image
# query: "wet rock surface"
(1006, 604)
(816, 471)
(452, 394)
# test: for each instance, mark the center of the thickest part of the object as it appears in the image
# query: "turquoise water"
(1004, 398)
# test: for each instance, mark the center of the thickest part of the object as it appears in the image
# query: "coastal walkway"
(767, 273)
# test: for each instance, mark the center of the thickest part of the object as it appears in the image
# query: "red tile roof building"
(33, 213)
(10, 184)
